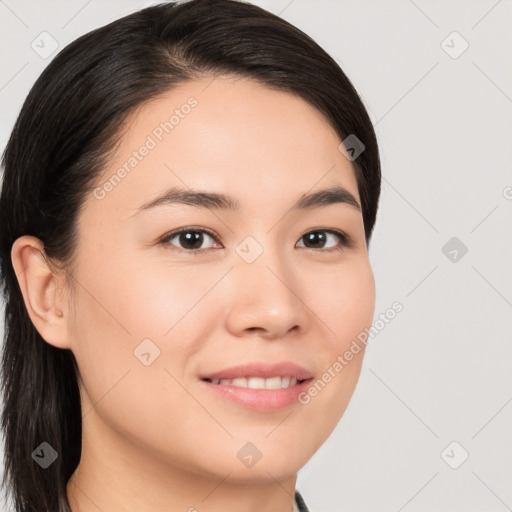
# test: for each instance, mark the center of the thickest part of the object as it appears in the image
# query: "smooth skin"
(154, 439)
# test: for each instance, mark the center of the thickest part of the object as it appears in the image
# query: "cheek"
(128, 301)
(346, 302)
(114, 312)
(346, 306)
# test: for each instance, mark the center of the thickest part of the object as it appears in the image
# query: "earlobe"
(39, 284)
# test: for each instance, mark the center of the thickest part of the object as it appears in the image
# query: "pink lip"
(283, 369)
(262, 400)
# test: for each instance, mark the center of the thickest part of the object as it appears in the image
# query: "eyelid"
(186, 229)
(347, 241)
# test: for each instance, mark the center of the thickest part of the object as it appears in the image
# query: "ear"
(41, 285)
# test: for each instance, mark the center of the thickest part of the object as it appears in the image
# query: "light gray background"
(441, 370)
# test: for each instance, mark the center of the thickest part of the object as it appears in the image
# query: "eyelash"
(346, 240)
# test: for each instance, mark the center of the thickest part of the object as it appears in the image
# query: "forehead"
(225, 134)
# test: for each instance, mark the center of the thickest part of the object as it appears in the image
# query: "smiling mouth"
(277, 382)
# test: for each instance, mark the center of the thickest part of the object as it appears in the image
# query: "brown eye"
(189, 239)
(319, 238)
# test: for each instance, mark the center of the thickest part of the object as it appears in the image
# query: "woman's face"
(155, 312)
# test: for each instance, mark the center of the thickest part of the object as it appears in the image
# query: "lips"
(251, 394)
(262, 370)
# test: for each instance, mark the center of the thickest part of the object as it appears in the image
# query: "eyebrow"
(324, 197)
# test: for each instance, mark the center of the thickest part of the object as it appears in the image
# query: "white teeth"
(273, 383)
(258, 382)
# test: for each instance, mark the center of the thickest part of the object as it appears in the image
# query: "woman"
(189, 194)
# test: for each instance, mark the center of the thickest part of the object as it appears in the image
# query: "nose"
(267, 298)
